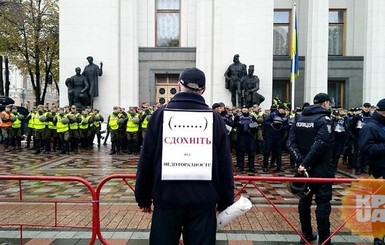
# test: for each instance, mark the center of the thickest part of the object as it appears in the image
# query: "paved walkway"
(121, 220)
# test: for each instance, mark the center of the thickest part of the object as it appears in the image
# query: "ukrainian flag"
(294, 52)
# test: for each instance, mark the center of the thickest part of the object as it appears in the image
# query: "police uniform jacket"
(310, 141)
(276, 125)
(176, 193)
(372, 143)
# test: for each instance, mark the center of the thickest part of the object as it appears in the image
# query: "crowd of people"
(251, 131)
(254, 131)
(316, 136)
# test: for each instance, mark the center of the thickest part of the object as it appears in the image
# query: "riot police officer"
(276, 125)
(310, 143)
(246, 134)
(339, 135)
(356, 123)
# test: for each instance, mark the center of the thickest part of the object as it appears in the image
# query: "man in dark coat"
(372, 144)
(310, 144)
(183, 203)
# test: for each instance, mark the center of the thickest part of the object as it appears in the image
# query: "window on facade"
(281, 89)
(281, 32)
(336, 32)
(168, 23)
(336, 91)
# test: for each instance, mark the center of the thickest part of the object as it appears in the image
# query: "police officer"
(310, 143)
(16, 117)
(113, 126)
(361, 117)
(132, 131)
(246, 126)
(6, 126)
(182, 205)
(98, 119)
(75, 118)
(372, 144)
(339, 135)
(30, 128)
(61, 122)
(276, 125)
(39, 125)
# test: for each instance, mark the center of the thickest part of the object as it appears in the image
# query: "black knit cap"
(320, 98)
(193, 75)
(381, 105)
(215, 105)
(366, 104)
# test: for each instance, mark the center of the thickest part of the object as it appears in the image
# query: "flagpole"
(292, 75)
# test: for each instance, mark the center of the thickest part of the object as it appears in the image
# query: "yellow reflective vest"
(17, 123)
(113, 121)
(37, 124)
(131, 126)
(61, 127)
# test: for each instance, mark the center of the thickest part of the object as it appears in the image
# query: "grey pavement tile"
(65, 234)
(275, 237)
(352, 238)
(82, 235)
(221, 236)
(108, 234)
(292, 238)
(140, 235)
(256, 237)
(338, 238)
(241, 237)
(47, 234)
(121, 235)
(31, 234)
(9, 234)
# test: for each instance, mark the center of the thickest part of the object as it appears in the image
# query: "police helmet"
(84, 121)
(135, 120)
(12, 118)
(20, 116)
(43, 118)
(299, 189)
(253, 125)
(260, 120)
(91, 120)
(65, 120)
(97, 118)
(120, 121)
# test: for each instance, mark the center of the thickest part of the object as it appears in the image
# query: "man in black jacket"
(310, 141)
(372, 144)
(187, 191)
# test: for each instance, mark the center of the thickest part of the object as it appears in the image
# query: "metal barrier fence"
(21, 179)
(96, 196)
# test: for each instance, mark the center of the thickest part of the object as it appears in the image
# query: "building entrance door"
(166, 87)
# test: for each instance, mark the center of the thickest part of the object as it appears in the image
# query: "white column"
(204, 47)
(316, 59)
(374, 61)
(128, 53)
(226, 28)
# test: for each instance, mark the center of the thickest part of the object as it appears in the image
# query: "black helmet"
(299, 189)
